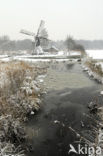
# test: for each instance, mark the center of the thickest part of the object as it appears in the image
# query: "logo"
(72, 149)
(85, 150)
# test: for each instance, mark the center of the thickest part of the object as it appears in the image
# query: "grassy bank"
(94, 66)
(19, 98)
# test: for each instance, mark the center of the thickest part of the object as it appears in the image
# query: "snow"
(5, 59)
(56, 121)
(74, 53)
(32, 113)
(61, 56)
(42, 58)
(100, 63)
(67, 53)
(45, 57)
(41, 78)
(39, 50)
(95, 54)
(61, 53)
(3, 56)
(32, 60)
(101, 92)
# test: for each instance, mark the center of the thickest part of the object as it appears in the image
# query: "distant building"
(52, 50)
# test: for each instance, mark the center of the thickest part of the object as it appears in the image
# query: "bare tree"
(70, 43)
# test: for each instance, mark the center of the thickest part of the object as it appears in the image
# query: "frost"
(20, 93)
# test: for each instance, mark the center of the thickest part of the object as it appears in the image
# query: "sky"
(82, 19)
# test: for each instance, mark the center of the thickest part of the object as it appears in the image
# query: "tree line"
(6, 44)
(11, 45)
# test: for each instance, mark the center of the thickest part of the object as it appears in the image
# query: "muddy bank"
(65, 117)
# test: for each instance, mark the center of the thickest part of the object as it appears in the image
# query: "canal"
(64, 115)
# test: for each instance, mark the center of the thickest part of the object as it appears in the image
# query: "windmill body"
(40, 35)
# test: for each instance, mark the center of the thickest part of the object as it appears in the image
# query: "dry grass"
(11, 96)
(14, 74)
(15, 103)
(94, 67)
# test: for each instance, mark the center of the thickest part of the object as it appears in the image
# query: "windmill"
(40, 35)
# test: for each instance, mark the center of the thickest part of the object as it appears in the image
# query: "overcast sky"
(83, 19)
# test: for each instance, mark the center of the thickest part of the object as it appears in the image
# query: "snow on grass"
(19, 97)
(5, 59)
(101, 64)
(3, 56)
(97, 56)
(32, 60)
(75, 53)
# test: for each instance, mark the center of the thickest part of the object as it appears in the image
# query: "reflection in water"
(62, 67)
(70, 66)
(62, 77)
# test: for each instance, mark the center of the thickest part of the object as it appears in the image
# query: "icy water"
(64, 106)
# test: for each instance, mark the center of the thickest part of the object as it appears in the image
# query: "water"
(65, 105)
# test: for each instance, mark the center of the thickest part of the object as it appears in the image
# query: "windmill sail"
(41, 26)
(27, 32)
(44, 33)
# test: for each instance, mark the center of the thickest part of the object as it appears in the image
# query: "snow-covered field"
(47, 57)
(95, 54)
(94, 65)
